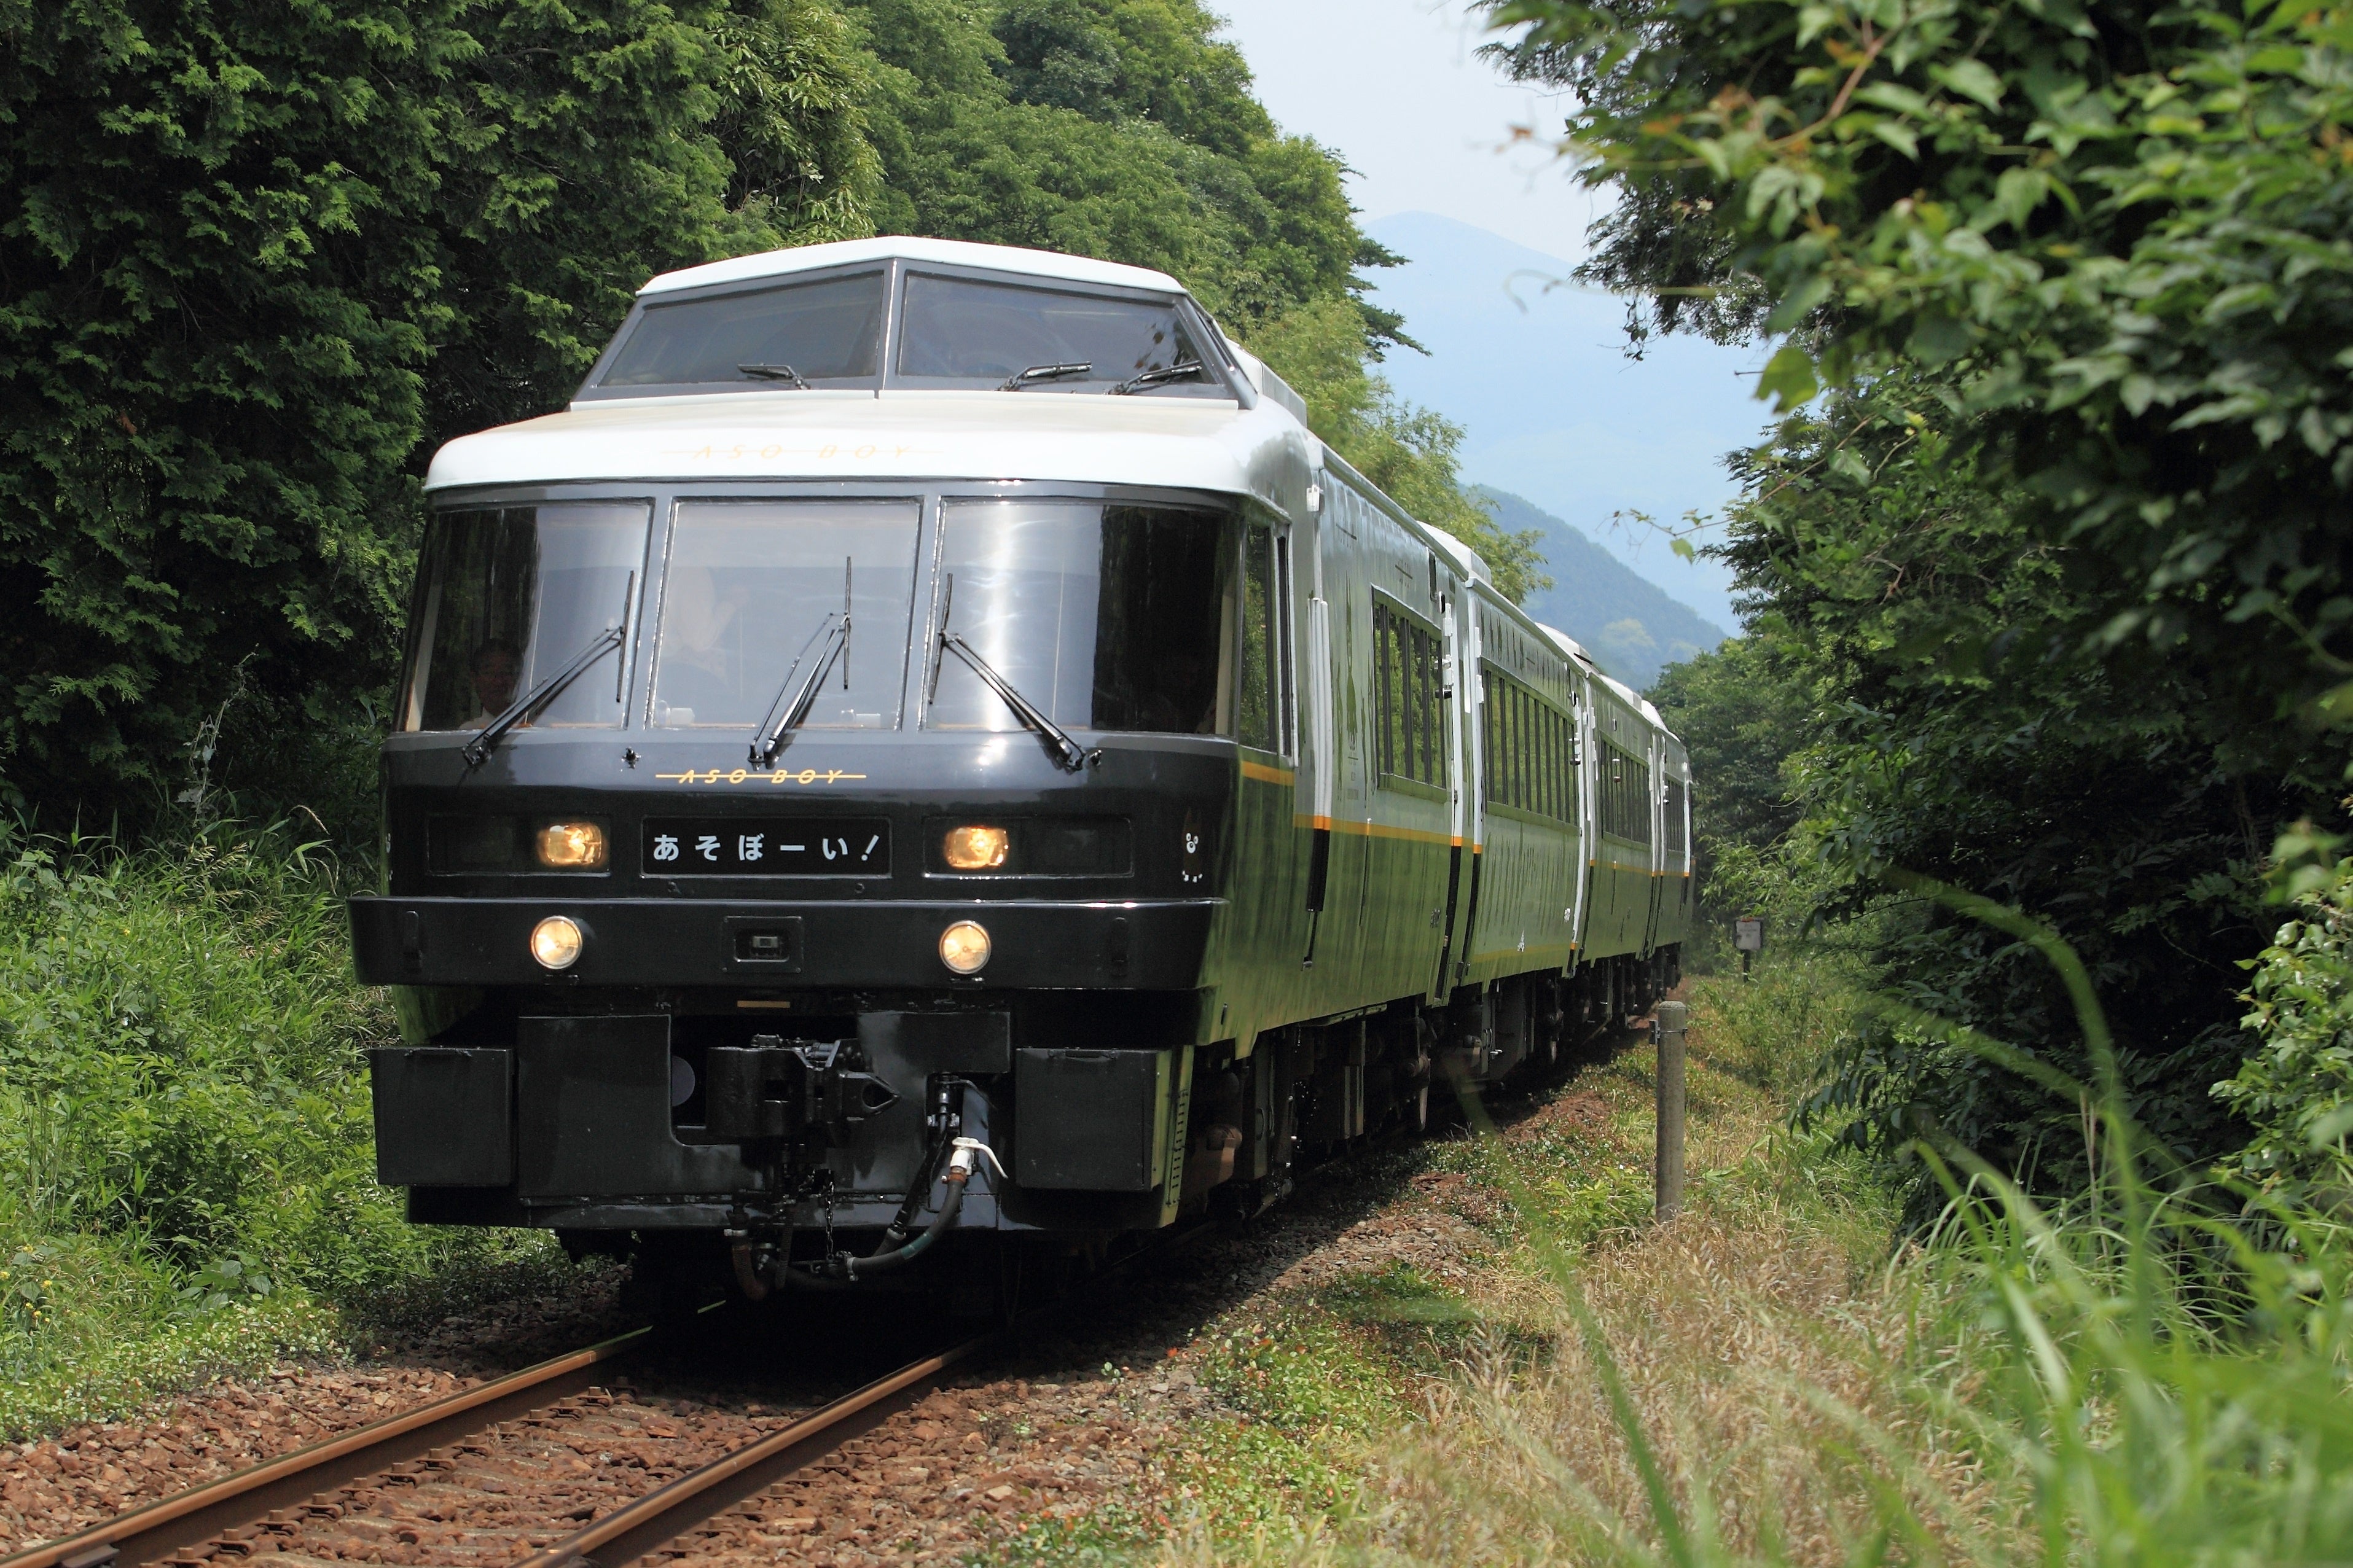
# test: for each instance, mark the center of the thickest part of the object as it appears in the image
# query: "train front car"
(819, 741)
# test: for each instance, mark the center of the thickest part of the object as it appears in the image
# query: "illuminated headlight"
(556, 941)
(964, 947)
(572, 845)
(974, 848)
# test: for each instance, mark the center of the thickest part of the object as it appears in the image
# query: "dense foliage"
(2055, 545)
(257, 260)
(2296, 1089)
(186, 1167)
(1740, 711)
(2116, 233)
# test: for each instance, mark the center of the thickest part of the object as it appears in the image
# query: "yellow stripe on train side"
(1265, 774)
(1532, 952)
(1375, 830)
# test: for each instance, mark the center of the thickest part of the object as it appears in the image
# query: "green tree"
(2060, 548)
(1741, 712)
(258, 260)
(2117, 233)
(1121, 129)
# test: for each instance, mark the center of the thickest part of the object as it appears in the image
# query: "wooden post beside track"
(1669, 1022)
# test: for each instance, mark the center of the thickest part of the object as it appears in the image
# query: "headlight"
(964, 947)
(556, 941)
(974, 848)
(572, 845)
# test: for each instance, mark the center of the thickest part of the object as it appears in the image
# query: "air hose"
(838, 1271)
(968, 1153)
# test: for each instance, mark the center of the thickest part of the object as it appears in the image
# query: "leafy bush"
(2064, 545)
(259, 257)
(184, 1119)
(2296, 1088)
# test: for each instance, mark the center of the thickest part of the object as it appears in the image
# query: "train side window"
(1409, 710)
(1625, 794)
(1528, 750)
(507, 597)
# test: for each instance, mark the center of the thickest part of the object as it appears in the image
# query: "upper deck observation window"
(825, 332)
(952, 332)
(507, 597)
(964, 332)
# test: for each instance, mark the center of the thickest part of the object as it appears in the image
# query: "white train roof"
(1184, 443)
(1570, 645)
(907, 247)
(896, 433)
(1467, 561)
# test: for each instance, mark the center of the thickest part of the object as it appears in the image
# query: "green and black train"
(929, 744)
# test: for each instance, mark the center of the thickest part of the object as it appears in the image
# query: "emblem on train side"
(757, 775)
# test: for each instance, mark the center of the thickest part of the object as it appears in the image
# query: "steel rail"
(637, 1528)
(668, 1511)
(148, 1534)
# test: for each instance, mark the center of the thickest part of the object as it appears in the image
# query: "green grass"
(187, 1158)
(2159, 1375)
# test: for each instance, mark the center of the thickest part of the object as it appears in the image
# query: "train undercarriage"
(895, 1150)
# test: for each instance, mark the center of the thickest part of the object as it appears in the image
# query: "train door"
(1462, 784)
(1580, 708)
(1603, 907)
(1478, 755)
(1457, 770)
(1269, 911)
(1656, 805)
(1319, 745)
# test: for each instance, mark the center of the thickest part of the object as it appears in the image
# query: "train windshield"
(1109, 618)
(962, 332)
(752, 599)
(828, 331)
(508, 596)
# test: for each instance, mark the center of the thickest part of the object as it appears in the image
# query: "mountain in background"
(1631, 627)
(1536, 373)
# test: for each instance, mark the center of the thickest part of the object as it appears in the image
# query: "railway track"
(494, 1476)
(399, 1482)
(292, 1484)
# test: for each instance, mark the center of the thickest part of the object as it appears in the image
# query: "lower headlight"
(964, 947)
(556, 941)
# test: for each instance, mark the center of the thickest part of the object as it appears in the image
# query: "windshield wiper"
(775, 373)
(478, 751)
(1069, 754)
(1183, 370)
(1037, 373)
(783, 715)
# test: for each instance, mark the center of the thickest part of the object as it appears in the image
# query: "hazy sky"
(1396, 88)
(1553, 409)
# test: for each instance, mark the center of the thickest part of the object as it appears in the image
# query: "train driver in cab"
(497, 671)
